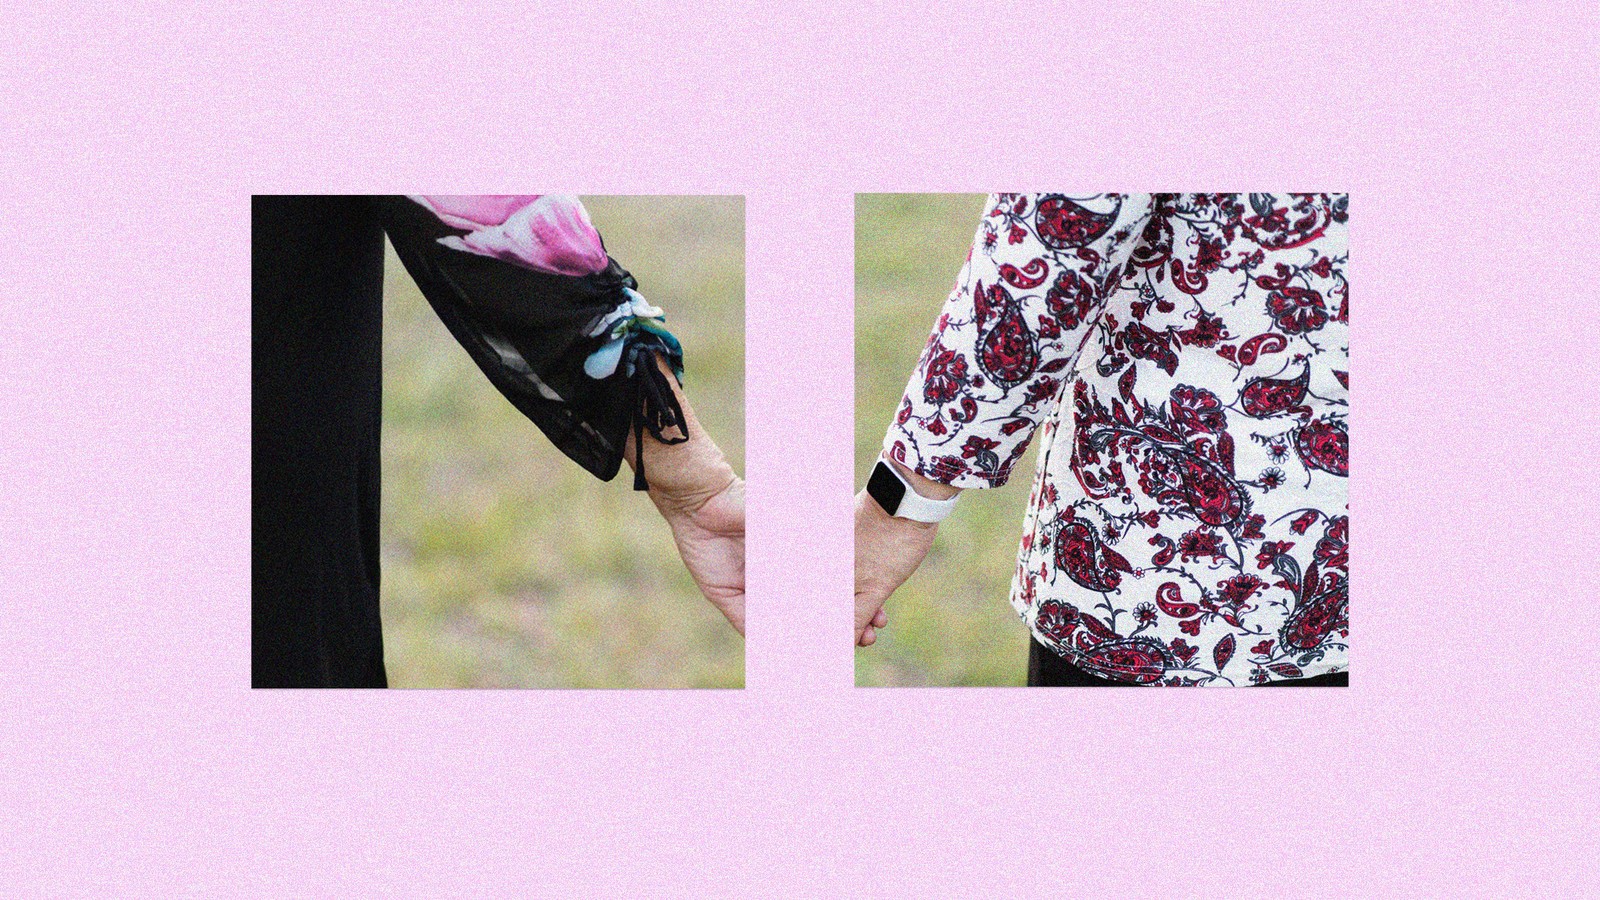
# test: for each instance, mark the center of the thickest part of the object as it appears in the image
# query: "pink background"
(134, 757)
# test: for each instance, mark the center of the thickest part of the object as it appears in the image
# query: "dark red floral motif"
(945, 375)
(1071, 298)
(980, 450)
(1325, 445)
(1197, 409)
(1205, 332)
(1239, 589)
(1270, 551)
(1182, 650)
(1057, 620)
(1062, 223)
(1200, 544)
(1146, 343)
(1266, 397)
(1086, 560)
(1209, 254)
(1297, 310)
(1008, 352)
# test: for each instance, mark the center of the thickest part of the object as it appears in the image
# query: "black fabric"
(1046, 668)
(525, 330)
(316, 384)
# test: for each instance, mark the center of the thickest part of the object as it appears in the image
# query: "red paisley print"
(1063, 223)
(1007, 351)
(1266, 397)
(1187, 358)
(1084, 559)
(1324, 445)
(1141, 660)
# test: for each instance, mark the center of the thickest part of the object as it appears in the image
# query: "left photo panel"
(497, 441)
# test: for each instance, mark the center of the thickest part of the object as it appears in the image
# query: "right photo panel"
(1102, 440)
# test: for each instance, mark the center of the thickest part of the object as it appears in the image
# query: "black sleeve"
(531, 333)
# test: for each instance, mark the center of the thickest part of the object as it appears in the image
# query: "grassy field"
(504, 563)
(951, 623)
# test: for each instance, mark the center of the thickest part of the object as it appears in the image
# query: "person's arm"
(1026, 302)
(702, 500)
(559, 327)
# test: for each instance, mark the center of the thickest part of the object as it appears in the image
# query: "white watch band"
(913, 505)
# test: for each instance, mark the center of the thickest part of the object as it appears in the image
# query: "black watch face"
(885, 488)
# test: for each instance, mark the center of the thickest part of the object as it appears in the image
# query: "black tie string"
(655, 408)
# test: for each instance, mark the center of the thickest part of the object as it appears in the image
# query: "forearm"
(682, 476)
(1026, 300)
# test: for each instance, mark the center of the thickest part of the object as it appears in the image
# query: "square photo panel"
(498, 441)
(1103, 440)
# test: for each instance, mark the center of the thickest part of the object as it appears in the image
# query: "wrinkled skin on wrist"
(702, 499)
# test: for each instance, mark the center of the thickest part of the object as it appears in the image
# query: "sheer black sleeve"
(576, 354)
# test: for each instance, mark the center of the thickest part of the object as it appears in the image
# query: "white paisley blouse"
(1185, 361)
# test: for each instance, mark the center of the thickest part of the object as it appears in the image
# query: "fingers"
(869, 634)
(735, 616)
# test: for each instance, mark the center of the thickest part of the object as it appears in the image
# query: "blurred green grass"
(951, 624)
(504, 563)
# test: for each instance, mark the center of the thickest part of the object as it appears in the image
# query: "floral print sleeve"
(1037, 277)
(1186, 359)
(557, 325)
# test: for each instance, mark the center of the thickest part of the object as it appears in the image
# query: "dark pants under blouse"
(1046, 668)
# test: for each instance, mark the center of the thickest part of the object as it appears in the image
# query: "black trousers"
(1046, 668)
(316, 384)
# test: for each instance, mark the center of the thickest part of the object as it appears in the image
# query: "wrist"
(892, 487)
(878, 516)
(682, 476)
(683, 479)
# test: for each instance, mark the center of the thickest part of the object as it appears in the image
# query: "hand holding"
(710, 538)
(888, 551)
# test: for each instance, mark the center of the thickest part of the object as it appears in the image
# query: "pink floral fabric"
(1184, 359)
(543, 232)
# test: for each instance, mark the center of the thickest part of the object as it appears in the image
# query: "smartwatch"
(898, 498)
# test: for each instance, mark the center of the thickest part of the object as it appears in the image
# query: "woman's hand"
(710, 538)
(888, 551)
(696, 491)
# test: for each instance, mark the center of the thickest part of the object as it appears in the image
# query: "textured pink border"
(135, 759)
